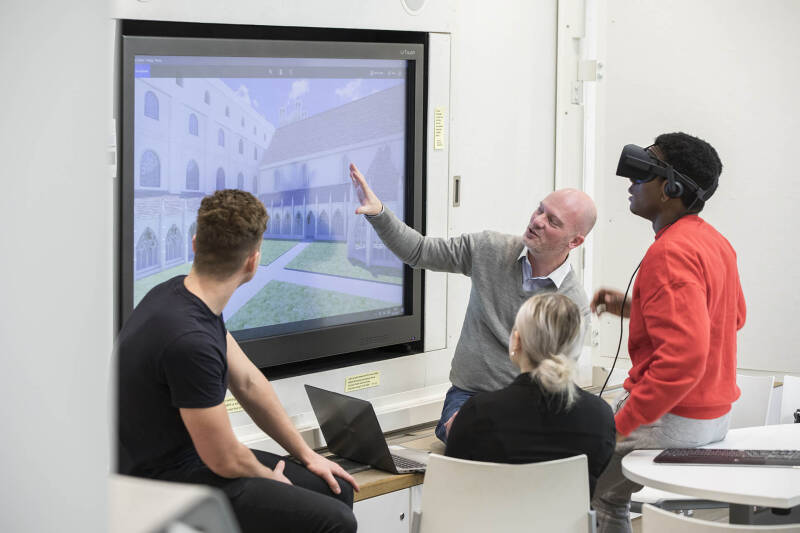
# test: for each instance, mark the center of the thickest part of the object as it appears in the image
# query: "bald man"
(505, 269)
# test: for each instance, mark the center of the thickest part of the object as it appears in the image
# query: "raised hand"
(610, 300)
(370, 204)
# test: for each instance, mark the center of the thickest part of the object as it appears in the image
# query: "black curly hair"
(696, 159)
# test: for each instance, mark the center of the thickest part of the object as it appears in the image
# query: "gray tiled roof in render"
(383, 176)
(378, 115)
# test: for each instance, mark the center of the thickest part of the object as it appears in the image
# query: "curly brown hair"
(230, 226)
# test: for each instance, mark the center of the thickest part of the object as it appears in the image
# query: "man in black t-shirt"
(176, 360)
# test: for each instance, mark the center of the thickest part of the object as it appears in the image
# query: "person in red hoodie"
(686, 307)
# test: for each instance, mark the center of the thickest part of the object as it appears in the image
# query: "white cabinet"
(388, 513)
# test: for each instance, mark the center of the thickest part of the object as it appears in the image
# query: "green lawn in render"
(142, 286)
(331, 258)
(271, 249)
(279, 302)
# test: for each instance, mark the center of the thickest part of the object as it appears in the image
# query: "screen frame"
(401, 334)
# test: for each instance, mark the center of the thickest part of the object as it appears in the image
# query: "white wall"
(436, 15)
(503, 122)
(726, 71)
(56, 272)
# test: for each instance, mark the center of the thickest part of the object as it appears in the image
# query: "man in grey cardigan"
(505, 269)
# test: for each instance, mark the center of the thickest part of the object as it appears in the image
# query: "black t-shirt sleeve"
(195, 372)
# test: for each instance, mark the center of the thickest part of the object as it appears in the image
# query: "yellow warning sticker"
(362, 381)
(438, 128)
(232, 404)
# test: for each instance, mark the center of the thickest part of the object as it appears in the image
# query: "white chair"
(138, 505)
(655, 520)
(790, 399)
(472, 497)
(752, 407)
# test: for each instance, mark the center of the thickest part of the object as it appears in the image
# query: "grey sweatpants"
(612, 495)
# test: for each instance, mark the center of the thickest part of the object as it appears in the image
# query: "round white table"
(765, 486)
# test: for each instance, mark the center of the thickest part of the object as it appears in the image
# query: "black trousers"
(262, 505)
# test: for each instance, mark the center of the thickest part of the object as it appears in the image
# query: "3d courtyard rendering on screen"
(319, 259)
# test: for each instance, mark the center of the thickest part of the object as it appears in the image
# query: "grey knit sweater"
(491, 259)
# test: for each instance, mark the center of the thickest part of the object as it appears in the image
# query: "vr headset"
(638, 164)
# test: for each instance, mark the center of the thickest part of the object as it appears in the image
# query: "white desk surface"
(746, 485)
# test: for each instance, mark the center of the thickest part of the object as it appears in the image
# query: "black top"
(523, 424)
(172, 353)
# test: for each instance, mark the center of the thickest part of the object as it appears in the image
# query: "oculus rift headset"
(637, 163)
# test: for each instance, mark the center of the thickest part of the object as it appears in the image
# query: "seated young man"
(176, 360)
(542, 415)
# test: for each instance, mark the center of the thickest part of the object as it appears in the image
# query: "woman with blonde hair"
(542, 415)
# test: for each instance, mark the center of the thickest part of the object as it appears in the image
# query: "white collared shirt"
(531, 283)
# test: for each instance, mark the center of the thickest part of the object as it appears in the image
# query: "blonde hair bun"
(549, 327)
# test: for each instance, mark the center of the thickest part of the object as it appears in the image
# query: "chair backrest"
(655, 520)
(472, 496)
(790, 399)
(138, 504)
(752, 407)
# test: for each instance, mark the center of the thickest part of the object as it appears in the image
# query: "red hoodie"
(686, 308)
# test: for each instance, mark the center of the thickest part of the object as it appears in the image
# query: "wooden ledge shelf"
(377, 482)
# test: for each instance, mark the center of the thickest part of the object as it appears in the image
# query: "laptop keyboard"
(351, 467)
(406, 464)
(718, 456)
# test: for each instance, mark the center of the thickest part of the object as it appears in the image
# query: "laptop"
(352, 431)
